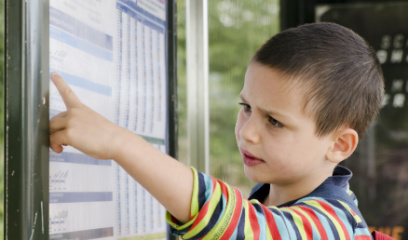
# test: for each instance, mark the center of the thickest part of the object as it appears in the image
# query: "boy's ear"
(344, 143)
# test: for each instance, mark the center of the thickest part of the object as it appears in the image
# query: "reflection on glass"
(237, 28)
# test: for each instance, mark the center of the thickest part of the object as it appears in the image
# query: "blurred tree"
(181, 82)
(237, 28)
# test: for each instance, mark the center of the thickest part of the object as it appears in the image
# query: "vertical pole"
(26, 119)
(197, 84)
(172, 75)
(14, 177)
(172, 82)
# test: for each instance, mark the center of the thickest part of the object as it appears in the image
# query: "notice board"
(113, 54)
(380, 164)
(118, 56)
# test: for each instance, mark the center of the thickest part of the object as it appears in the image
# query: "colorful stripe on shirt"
(219, 211)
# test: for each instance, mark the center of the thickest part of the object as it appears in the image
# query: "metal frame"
(26, 107)
(172, 83)
(172, 76)
(197, 84)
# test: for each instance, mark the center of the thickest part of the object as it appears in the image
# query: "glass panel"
(237, 28)
(181, 82)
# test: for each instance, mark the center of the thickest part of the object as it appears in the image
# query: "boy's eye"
(274, 122)
(245, 107)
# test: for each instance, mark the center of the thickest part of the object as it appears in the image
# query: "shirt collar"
(341, 176)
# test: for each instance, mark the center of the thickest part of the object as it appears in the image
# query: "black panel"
(380, 164)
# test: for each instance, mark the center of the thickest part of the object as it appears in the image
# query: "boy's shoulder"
(334, 191)
(330, 188)
(332, 201)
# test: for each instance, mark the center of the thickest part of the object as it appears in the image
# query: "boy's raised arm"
(169, 181)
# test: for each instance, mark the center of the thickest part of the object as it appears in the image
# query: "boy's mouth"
(250, 160)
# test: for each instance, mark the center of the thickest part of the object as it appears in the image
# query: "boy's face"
(276, 138)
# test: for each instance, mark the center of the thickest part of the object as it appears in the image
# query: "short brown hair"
(339, 73)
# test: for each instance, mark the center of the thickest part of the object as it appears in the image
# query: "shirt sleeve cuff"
(178, 227)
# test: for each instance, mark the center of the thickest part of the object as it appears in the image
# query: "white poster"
(112, 54)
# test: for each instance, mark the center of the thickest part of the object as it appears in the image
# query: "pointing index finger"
(68, 96)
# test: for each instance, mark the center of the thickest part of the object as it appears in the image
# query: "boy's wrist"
(124, 141)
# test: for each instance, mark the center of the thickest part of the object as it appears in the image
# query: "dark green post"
(172, 81)
(26, 120)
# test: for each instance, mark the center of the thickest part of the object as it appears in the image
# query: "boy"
(309, 94)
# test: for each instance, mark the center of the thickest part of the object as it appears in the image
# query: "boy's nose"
(249, 131)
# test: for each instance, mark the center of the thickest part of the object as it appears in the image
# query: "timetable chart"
(141, 75)
(140, 99)
(81, 51)
(112, 54)
(138, 212)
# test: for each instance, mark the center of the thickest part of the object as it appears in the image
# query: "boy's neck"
(281, 194)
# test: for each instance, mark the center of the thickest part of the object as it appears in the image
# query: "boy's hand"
(166, 179)
(81, 127)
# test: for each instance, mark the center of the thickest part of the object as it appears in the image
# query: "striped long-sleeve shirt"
(219, 211)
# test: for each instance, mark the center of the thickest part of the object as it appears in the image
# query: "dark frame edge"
(172, 83)
(26, 119)
(13, 176)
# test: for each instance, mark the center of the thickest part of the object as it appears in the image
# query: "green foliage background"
(237, 28)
